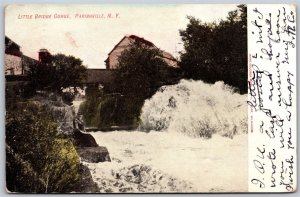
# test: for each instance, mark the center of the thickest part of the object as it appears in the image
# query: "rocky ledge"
(87, 147)
(93, 154)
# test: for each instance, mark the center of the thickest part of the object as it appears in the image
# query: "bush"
(120, 110)
(91, 112)
(37, 160)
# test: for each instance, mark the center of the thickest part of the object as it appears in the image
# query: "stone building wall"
(13, 65)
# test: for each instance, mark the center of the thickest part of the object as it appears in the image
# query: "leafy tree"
(141, 71)
(217, 51)
(61, 72)
(37, 160)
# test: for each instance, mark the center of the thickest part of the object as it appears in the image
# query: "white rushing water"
(196, 109)
(196, 141)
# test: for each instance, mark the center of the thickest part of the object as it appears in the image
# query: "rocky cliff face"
(64, 114)
(69, 124)
(61, 112)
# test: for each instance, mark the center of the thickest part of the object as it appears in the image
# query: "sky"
(91, 39)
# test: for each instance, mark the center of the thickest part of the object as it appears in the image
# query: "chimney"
(44, 56)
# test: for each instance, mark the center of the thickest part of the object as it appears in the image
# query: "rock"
(60, 111)
(64, 116)
(93, 154)
(85, 184)
(83, 139)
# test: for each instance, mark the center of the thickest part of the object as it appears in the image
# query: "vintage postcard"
(175, 98)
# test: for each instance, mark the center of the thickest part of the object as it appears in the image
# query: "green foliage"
(120, 110)
(216, 52)
(91, 112)
(141, 71)
(94, 91)
(62, 72)
(37, 160)
(62, 167)
(109, 111)
(90, 109)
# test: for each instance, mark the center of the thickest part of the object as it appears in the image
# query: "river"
(192, 138)
(172, 163)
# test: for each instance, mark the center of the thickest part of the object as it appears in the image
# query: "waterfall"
(196, 109)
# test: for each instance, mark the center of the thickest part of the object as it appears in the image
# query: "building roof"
(136, 39)
(44, 50)
(144, 41)
(12, 48)
(9, 42)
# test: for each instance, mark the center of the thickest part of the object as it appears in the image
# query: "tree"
(37, 160)
(61, 72)
(141, 71)
(217, 51)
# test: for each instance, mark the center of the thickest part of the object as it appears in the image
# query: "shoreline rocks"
(86, 146)
(83, 139)
(93, 154)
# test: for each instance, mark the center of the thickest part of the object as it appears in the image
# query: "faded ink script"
(272, 98)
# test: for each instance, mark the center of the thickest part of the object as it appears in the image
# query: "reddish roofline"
(136, 38)
(139, 39)
(116, 45)
(142, 40)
